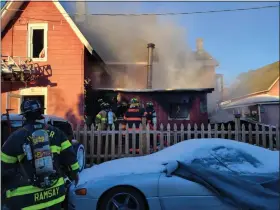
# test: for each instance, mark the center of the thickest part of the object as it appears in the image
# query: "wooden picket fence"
(111, 144)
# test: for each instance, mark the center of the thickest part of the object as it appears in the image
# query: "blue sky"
(240, 41)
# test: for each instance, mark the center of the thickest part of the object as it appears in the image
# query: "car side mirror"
(170, 167)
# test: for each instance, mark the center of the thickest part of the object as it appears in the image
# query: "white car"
(195, 174)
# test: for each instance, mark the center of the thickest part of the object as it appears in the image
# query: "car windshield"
(225, 158)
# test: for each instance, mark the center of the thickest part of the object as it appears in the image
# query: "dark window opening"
(38, 43)
(41, 99)
(179, 110)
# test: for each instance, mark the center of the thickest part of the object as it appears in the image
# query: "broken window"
(37, 41)
(179, 110)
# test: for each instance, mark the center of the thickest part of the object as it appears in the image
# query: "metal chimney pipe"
(150, 47)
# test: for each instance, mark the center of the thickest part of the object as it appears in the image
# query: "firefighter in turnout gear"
(134, 114)
(151, 115)
(33, 162)
(106, 117)
(101, 118)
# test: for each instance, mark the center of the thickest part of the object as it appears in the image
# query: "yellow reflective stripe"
(98, 116)
(20, 157)
(55, 149)
(75, 166)
(46, 205)
(65, 145)
(103, 119)
(30, 189)
(8, 159)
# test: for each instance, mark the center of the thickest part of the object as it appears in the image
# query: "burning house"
(66, 51)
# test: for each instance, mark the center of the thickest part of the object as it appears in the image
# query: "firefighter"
(151, 115)
(134, 115)
(32, 162)
(101, 118)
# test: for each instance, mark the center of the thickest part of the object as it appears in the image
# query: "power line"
(164, 14)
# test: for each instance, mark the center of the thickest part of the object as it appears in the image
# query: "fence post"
(277, 138)
(182, 132)
(141, 140)
(216, 131)
(270, 138)
(106, 144)
(147, 149)
(113, 146)
(99, 142)
(243, 133)
(222, 131)
(120, 140)
(168, 135)
(175, 133)
(257, 135)
(202, 130)
(85, 138)
(195, 131)
(229, 131)
(161, 140)
(189, 131)
(264, 137)
(126, 144)
(134, 140)
(144, 135)
(250, 134)
(237, 127)
(92, 144)
(209, 131)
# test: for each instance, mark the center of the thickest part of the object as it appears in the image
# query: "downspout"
(259, 112)
(150, 47)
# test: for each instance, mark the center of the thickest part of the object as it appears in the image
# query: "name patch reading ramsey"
(46, 194)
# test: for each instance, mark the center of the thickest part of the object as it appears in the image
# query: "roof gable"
(252, 82)
(10, 8)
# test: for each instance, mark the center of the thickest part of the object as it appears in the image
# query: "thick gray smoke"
(125, 39)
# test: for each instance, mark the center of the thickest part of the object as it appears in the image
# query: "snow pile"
(263, 98)
(221, 154)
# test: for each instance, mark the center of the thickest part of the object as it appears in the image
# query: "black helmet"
(149, 104)
(30, 106)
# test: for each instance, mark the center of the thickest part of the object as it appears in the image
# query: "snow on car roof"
(190, 151)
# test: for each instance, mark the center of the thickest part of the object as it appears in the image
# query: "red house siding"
(162, 114)
(65, 57)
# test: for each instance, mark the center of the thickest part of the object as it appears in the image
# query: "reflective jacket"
(16, 169)
(101, 119)
(134, 116)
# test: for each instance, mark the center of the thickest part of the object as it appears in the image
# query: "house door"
(40, 98)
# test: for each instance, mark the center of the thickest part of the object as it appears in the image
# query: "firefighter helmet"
(134, 101)
(149, 104)
(29, 106)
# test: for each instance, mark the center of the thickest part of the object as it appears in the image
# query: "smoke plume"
(125, 38)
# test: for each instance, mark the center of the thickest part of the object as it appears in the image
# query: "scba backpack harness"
(38, 152)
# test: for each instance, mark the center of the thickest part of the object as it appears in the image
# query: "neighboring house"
(256, 95)
(61, 55)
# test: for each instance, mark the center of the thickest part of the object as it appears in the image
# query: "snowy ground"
(222, 154)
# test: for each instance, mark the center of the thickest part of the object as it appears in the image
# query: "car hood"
(246, 159)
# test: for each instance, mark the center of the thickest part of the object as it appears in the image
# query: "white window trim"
(39, 91)
(32, 26)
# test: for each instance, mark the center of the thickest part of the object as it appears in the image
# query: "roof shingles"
(255, 81)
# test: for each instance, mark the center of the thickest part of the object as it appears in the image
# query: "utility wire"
(165, 14)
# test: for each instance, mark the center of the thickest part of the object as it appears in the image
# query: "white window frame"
(183, 118)
(31, 27)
